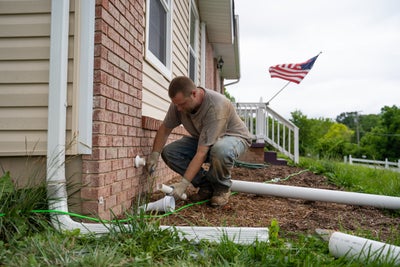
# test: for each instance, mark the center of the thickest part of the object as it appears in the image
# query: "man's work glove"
(180, 189)
(152, 162)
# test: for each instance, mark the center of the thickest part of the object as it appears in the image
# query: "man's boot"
(221, 196)
(204, 193)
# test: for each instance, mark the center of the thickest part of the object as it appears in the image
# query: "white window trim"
(85, 82)
(195, 49)
(203, 55)
(166, 70)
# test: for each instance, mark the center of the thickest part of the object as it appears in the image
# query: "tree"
(379, 134)
(310, 130)
(335, 141)
(360, 124)
(391, 125)
(383, 140)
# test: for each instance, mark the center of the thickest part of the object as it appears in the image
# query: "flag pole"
(278, 92)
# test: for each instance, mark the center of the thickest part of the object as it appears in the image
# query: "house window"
(158, 33)
(193, 42)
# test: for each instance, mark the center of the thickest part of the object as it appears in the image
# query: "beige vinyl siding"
(155, 95)
(24, 76)
(155, 85)
(181, 38)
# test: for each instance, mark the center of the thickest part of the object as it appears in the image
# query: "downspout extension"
(314, 194)
(354, 247)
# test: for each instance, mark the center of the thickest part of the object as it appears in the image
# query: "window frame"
(166, 69)
(193, 51)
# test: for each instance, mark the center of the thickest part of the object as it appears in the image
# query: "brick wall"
(110, 179)
(120, 133)
(255, 154)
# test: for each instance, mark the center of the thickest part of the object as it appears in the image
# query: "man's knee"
(165, 153)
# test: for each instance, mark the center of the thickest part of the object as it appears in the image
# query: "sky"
(358, 70)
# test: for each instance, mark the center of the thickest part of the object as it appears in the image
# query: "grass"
(356, 178)
(27, 238)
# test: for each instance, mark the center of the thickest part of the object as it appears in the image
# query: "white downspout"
(57, 109)
(314, 194)
(56, 181)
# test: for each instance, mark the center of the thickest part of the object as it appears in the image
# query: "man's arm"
(161, 138)
(159, 142)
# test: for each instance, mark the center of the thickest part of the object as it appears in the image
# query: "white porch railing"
(395, 166)
(268, 126)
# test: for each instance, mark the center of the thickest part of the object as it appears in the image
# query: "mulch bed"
(293, 215)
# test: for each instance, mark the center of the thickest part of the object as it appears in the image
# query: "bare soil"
(293, 215)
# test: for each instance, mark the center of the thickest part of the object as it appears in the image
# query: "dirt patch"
(293, 215)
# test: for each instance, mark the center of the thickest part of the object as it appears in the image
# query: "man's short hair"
(181, 84)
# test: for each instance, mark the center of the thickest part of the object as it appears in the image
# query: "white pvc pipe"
(55, 176)
(350, 246)
(139, 162)
(168, 190)
(314, 194)
(165, 204)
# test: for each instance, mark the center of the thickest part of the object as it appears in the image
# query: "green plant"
(16, 204)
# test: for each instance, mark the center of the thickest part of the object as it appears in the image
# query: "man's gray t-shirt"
(215, 118)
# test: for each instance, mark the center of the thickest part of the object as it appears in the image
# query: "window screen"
(158, 30)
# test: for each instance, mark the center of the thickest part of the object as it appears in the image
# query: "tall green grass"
(357, 178)
(16, 204)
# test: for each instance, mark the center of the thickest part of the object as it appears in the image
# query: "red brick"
(117, 141)
(94, 193)
(111, 129)
(113, 12)
(92, 180)
(127, 162)
(98, 153)
(98, 128)
(122, 197)
(110, 178)
(116, 210)
(90, 207)
(116, 188)
(122, 130)
(111, 105)
(121, 175)
(99, 102)
(110, 202)
(111, 153)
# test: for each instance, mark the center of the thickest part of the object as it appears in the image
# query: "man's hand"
(152, 162)
(180, 188)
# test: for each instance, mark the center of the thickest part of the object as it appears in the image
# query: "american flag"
(292, 72)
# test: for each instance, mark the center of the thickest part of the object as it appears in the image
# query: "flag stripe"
(292, 72)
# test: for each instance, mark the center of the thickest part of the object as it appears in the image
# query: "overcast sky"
(358, 70)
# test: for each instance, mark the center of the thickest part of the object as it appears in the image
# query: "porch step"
(271, 158)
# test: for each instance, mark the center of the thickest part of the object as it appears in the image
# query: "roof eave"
(223, 34)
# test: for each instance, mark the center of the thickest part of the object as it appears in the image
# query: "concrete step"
(270, 157)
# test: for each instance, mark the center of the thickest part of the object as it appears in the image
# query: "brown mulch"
(293, 215)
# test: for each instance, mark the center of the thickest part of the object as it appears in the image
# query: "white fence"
(395, 166)
(270, 127)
